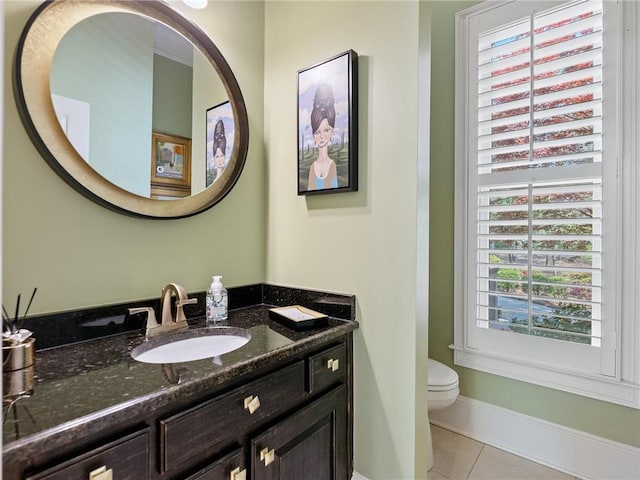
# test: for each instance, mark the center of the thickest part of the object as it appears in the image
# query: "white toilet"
(442, 392)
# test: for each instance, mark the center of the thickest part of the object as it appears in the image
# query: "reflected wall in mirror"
(108, 79)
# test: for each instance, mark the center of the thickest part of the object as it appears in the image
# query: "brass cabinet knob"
(252, 403)
(101, 474)
(237, 474)
(333, 365)
(267, 456)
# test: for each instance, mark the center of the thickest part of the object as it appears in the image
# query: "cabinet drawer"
(226, 417)
(128, 458)
(326, 368)
(229, 467)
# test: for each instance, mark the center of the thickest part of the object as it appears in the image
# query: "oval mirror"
(132, 105)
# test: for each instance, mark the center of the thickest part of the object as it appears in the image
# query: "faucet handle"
(180, 317)
(180, 303)
(151, 316)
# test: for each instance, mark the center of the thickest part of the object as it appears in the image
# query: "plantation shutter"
(539, 177)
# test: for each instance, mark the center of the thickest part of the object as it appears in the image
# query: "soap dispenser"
(217, 301)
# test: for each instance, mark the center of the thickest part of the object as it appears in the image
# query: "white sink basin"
(191, 345)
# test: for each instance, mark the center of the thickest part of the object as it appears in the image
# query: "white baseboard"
(572, 451)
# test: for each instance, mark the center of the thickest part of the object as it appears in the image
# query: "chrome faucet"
(169, 323)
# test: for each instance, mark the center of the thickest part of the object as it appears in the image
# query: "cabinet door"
(310, 444)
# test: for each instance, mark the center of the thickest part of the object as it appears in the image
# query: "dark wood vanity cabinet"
(216, 423)
(290, 421)
(290, 424)
(310, 444)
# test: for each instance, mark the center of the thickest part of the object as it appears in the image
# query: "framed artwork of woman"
(220, 136)
(327, 126)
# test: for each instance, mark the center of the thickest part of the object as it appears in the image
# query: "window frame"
(624, 386)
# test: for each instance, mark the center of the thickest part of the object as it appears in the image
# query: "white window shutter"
(536, 242)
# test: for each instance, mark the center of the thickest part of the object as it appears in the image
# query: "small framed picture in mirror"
(170, 165)
(327, 126)
(220, 137)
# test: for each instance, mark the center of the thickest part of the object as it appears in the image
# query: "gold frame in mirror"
(34, 57)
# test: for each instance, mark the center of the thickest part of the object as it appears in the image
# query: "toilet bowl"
(442, 392)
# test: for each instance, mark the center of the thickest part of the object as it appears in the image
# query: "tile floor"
(461, 458)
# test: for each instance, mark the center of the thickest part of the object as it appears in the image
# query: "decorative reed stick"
(28, 306)
(13, 325)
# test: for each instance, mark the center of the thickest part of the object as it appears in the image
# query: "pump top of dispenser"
(216, 284)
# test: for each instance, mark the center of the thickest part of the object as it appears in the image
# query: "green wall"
(596, 417)
(172, 97)
(364, 242)
(80, 254)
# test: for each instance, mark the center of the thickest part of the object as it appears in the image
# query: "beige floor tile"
(495, 464)
(454, 454)
(431, 475)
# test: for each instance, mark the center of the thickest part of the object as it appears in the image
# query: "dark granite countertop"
(80, 386)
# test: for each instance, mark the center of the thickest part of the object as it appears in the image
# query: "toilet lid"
(440, 377)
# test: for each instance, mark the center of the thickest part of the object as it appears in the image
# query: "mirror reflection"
(144, 110)
(143, 107)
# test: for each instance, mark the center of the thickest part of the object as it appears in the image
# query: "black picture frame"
(328, 154)
(218, 137)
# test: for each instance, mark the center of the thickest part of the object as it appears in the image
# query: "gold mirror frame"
(34, 57)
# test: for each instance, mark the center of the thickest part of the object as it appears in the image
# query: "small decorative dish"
(298, 317)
